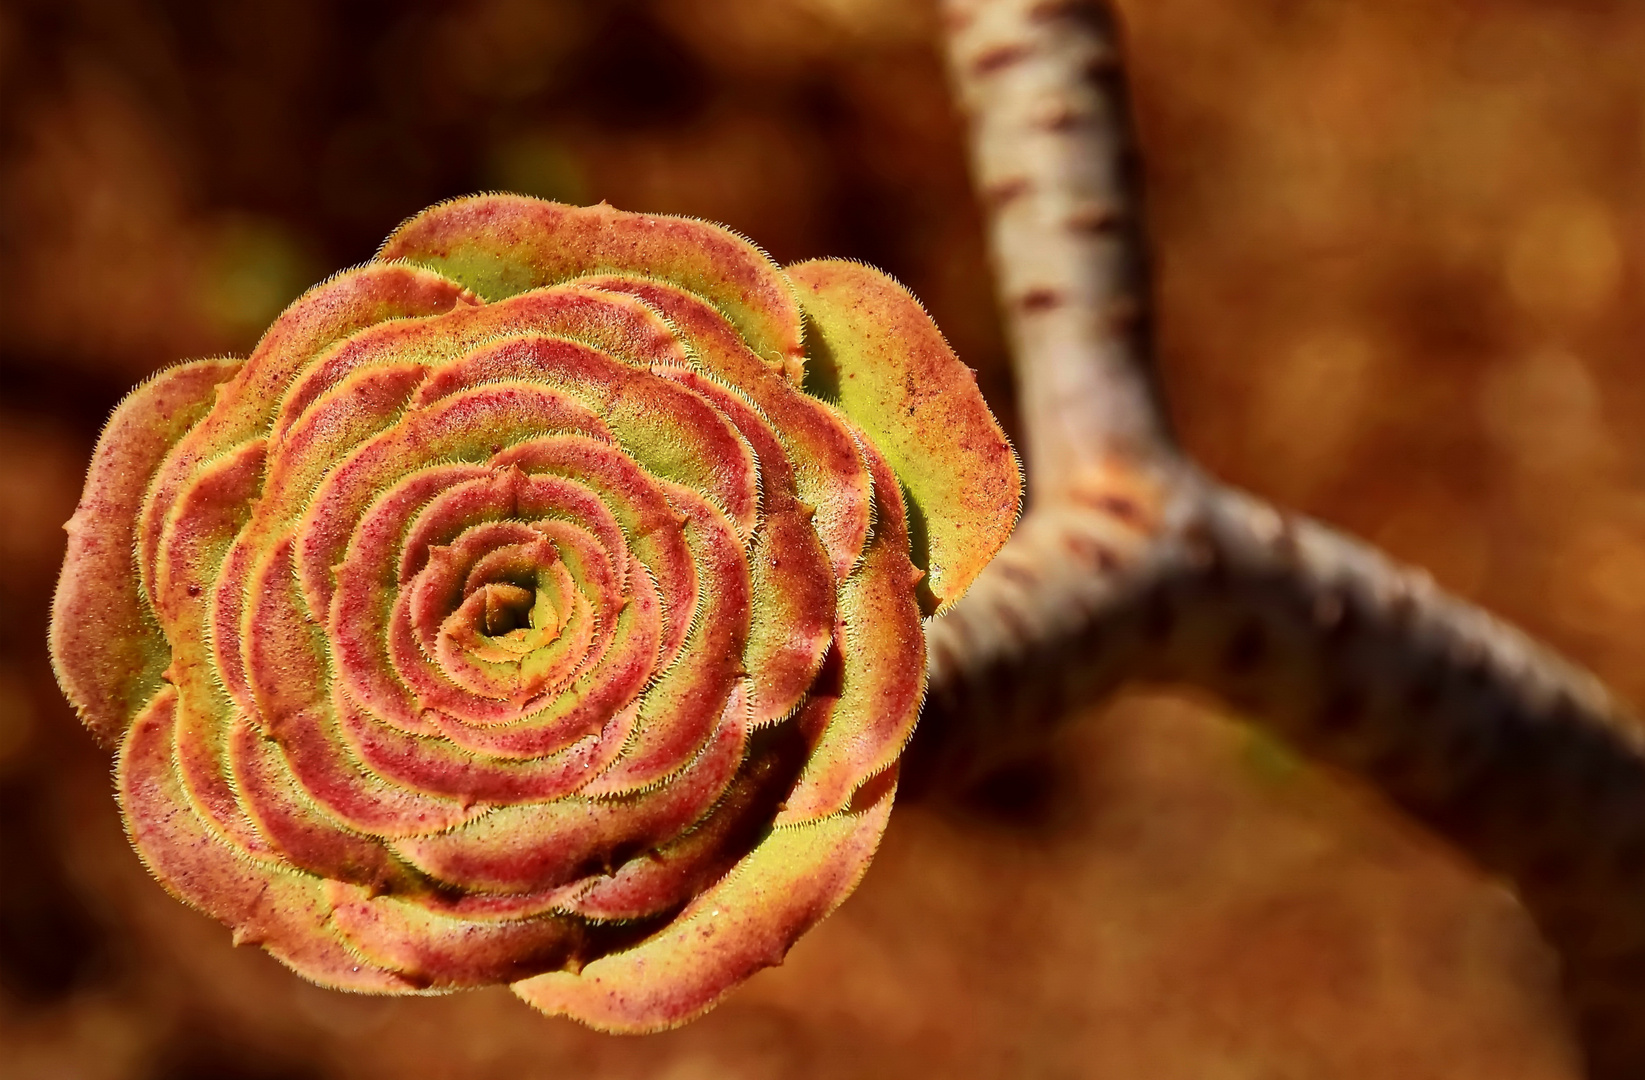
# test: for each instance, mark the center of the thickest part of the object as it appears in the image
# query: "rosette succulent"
(540, 602)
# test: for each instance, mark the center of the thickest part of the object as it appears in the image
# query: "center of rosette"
(511, 611)
(516, 599)
(522, 620)
(508, 611)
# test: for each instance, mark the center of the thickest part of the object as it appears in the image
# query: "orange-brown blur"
(1401, 258)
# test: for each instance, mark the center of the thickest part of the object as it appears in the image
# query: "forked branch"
(1133, 563)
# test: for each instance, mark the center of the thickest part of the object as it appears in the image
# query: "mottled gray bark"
(1132, 563)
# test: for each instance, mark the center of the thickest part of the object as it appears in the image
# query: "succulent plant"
(541, 602)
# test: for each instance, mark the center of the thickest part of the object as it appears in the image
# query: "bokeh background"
(1401, 258)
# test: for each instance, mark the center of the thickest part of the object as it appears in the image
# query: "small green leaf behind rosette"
(873, 351)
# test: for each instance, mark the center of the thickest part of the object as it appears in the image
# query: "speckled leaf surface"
(512, 614)
(875, 352)
(105, 643)
(500, 245)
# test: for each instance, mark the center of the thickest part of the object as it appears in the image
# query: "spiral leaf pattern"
(540, 602)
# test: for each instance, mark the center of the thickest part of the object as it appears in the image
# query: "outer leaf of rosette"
(873, 351)
(499, 245)
(748, 920)
(267, 903)
(106, 647)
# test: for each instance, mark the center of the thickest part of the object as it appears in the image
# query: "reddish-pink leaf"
(105, 645)
(747, 921)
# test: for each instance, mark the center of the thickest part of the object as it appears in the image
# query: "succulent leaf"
(106, 646)
(874, 351)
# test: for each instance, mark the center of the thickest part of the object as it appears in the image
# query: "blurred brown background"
(1401, 251)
